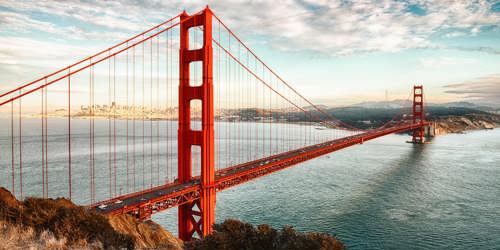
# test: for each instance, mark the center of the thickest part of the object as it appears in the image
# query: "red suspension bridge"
(166, 119)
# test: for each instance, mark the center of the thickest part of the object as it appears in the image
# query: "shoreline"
(451, 124)
(465, 123)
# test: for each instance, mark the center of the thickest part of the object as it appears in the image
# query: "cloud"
(22, 59)
(484, 89)
(456, 34)
(23, 24)
(484, 49)
(441, 62)
(101, 13)
(343, 28)
(328, 27)
(16, 50)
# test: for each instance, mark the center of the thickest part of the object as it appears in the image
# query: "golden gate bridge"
(201, 113)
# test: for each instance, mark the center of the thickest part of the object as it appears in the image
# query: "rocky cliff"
(460, 124)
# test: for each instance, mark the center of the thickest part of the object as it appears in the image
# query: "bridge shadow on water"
(378, 209)
(392, 179)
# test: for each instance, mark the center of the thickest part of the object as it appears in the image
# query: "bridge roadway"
(143, 204)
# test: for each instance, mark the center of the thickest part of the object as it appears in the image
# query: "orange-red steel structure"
(144, 203)
(189, 192)
(418, 113)
(196, 216)
(276, 112)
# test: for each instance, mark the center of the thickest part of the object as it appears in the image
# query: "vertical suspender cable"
(270, 119)
(172, 131)
(13, 172)
(93, 137)
(114, 125)
(167, 75)
(20, 149)
(171, 126)
(249, 106)
(43, 146)
(69, 134)
(142, 110)
(133, 118)
(126, 127)
(90, 130)
(46, 142)
(151, 114)
(227, 108)
(257, 113)
(109, 128)
(239, 108)
(157, 110)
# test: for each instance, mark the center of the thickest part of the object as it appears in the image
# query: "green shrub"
(235, 235)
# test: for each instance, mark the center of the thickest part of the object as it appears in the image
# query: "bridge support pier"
(198, 216)
(418, 114)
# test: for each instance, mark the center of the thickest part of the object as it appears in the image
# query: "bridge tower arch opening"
(197, 216)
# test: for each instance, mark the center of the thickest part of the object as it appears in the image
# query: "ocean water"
(151, 152)
(385, 194)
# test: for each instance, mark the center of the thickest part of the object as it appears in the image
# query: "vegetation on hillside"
(14, 236)
(374, 117)
(59, 224)
(37, 223)
(360, 117)
(63, 219)
(234, 234)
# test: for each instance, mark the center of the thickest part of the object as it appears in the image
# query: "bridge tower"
(198, 216)
(418, 113)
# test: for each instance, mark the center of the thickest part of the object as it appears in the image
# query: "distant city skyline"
(351, 51)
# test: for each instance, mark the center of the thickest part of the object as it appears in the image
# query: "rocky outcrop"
(147, 234)
(460, 124)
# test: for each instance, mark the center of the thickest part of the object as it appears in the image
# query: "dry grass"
(15, 237)
(75, 224)
(146, 234)
(59, 224)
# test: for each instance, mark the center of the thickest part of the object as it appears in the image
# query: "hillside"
(459, 124)
(59, 224)
(235, 235)
(449, 119)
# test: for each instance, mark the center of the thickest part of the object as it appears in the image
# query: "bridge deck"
(143, 204)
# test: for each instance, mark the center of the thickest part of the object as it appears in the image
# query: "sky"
(334, 52)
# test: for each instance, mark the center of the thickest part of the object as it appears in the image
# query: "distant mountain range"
(399, 103)
(309, 108)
